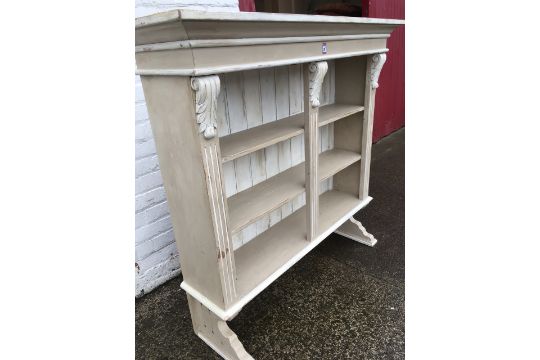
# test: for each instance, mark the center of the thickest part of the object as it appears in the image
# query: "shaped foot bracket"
(215, 332)
(354, 230)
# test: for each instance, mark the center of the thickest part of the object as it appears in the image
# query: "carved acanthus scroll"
(206, 94)
(377, 62)
(317, 71)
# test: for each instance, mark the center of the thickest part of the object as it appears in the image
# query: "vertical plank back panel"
(253, 109)
(283, 110)
(268, 105)
(296, 101)
(255, 97)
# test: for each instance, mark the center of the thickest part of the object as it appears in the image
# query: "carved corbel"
(377, 62)
(317, 71)
(206, 94)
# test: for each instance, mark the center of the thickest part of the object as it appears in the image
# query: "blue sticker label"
(324, 48)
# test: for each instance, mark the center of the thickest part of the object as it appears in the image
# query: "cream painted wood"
(250, 205)
(238, 58)
(313, 79)
(287, 239)
(245, 142)
(262, 158)
(244, 299)
(326, 130)
(354, 230)
(220, 43)
(374, 66)
(206, 93)
(349, 89)
(184, 169)
(215, 332)
(265, 162)
(173, 45)
(296, 106)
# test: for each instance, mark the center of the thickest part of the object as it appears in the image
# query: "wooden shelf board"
(334, 112)
(245, 142)
(250, 205)
(270, 254)
(248, 141)
(333, 161)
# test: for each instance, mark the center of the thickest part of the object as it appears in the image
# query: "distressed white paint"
(354, 230)
(211, 161)
(246, 99)
(200, 71)
(377, 63)
(206, 93)
(258, 97)
(236, 307)
(173, 45)
(285, 243)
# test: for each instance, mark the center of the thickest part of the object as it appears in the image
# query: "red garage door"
(390, 100)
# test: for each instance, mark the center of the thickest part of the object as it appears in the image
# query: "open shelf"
(334, 112)
(248, 141)
(281, 246)
(250, 205)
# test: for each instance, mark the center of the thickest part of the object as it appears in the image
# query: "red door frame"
(246, 5)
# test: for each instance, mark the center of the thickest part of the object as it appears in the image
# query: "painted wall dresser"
(182, 57)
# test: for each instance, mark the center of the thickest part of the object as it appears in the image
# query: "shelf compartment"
(245, 142)
(330, 113)
(250, 205)
(270, 254)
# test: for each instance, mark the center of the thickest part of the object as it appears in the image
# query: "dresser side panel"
(172, 114)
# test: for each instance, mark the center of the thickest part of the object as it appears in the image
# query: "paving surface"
(343, 300)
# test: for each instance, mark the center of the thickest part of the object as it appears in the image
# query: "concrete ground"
(344, 300)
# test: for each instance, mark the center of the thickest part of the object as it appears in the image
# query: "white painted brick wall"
(156, 256)
(146, 7)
